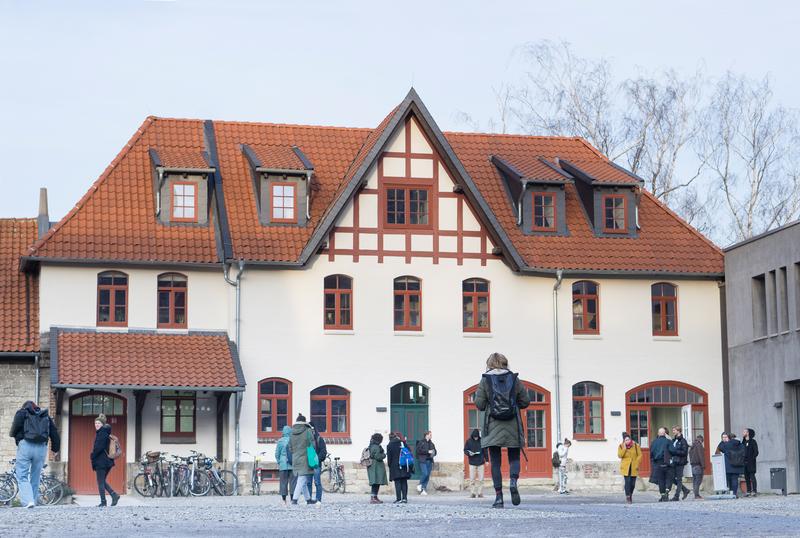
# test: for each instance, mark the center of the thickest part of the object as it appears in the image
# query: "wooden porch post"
(140, 396)
(222, 405)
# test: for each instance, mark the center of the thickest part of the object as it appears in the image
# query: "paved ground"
(438, 515)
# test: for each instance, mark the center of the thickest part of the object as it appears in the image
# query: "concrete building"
(762, 281)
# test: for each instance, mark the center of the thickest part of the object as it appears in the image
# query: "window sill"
(760, 338)
(172, 330)
(409, 333)
(666, 338)
(112, 329)
(339, 331)
(589, 439)
(178, 441)
(477, 335)
(587, 337)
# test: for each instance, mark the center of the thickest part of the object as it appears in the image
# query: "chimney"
(43, 219)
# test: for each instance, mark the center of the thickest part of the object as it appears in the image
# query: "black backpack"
(502, 395)
(37, 427)
(736, 456)
(556, 460)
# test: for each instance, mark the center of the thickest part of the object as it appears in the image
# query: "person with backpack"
(630, 455)
(679, 452)
(477, 458)
(31, 428)
(501, 395)
(283, 455)
(401, 466)
(734, 461)
(102, 463)
(322, 453)
(697, 459)
(376, 470)
(563, 455)
(301, 443)
(750, 455)
(425, 452)
(660, 470)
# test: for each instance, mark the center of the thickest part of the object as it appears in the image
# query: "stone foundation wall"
(17, 385)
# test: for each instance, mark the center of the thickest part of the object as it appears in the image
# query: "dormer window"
(544, 211)
(283, 202)
(614, 215)
(184, 202)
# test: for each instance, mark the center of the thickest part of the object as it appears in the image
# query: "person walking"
(322, 453)
(501, 395)
(750, 455)
(563, 454)
(31, 428)
(477, 458)
(101, 463)
(679, 453)
(425, 452)
(302, 437)
(732, 448)
(630, 455)
(659, 464)
(283, 455)
(376, 472)
(398, 473)
(697, 459)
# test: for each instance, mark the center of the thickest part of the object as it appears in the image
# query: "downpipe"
(237, 330)
(36, 383)
(556, 367)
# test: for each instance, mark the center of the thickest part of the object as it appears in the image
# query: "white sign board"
(718, 470)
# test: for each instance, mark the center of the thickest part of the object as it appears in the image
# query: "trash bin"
(777, 479)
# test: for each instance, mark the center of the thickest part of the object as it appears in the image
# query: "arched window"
(585, 319)
(475, 305)
(172, 290)
(587, 410)
(112, 299)
(664, 299)
(407, 304)
(330, 410)
(274, 406)
(338, 302)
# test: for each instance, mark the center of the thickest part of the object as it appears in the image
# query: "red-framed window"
(283, 198)
(664, 298)
(544, 211)
(274, 406)
(407, 304)
(338, 302)
(184, 202)
(178, 416)
(330, 410)
(585, 308)
(587, 410)
(475, 305)
(615, 218)
(112, 299)
(172, 297)
(408, 207)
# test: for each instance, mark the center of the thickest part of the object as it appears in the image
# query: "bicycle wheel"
(342, 484)
(328, 480)
(226, 484)
(143, 485)
(8, 487)
(200, 485)
(51, 490)
(255, 483)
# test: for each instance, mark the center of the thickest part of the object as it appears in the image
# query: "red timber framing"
(432, 228)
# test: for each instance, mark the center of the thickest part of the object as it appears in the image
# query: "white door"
(686, 423)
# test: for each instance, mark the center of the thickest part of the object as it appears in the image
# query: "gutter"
(36, 384)
(556, 367)
(237, 396)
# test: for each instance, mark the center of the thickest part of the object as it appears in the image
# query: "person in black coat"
(424, 453)
(732, 472)
(750, 455)
(399, 474)
(477, 458)
(101, 463)
(679, 452)
(660, 469)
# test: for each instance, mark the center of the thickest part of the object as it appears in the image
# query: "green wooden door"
(409, 414)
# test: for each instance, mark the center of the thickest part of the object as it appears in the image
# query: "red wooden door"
(84, 408)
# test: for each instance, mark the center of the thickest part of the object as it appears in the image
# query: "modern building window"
(782, 292)
(284, 202)
(587, 410)
(112, 299)
(759, 297)
(330, 410)
(664, 299)
(184, 202)
(178, 416)
(475, 305)
(585, 308)
(797, 294)
(772, 303)
(614, 216)
(172, 289)
(274, 406)
(407, 304)
(544, 211)
(407, 207)
(338, 302)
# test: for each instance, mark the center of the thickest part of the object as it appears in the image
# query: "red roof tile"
(603, 172)
(182, 158)
(19, 292)
(144, 359)
(278, 157)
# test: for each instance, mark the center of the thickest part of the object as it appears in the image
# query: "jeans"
(496, 456)
(750, 481)
(374, 488)
(288, 481)
(102, 485)
(401, 488)
(562, 478)
(697, 480)
(630, 485)
(317, 482)
(476, 479)
(733, 482)
(677, 479)
(426, 467)
(30, 460)
(301, 488)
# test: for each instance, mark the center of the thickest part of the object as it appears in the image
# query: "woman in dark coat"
(101, 463)
(750, 455)
(399, 474)
(376, 472)
(732, 472)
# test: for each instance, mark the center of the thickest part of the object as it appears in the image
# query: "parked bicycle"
(153, 479)
(332, 475)
(223, 482)
(255, 475)
(51, 489)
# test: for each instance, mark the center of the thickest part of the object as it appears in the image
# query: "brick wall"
(17, 383)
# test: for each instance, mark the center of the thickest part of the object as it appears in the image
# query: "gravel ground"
(437, 515)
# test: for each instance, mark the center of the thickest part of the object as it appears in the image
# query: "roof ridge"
(677, 217)
(33, 219)
(515, 135)
(264, 123)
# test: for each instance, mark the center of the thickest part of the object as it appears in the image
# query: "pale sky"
(77, 78)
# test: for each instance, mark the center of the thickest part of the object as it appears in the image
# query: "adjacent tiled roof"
(278, 157)
(601, 171)
(181, 158)
(19, 292)
(147, 359)
(532, 167)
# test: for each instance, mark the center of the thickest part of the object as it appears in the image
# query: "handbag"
(311, 453)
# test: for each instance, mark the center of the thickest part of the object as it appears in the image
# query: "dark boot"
(685, 492)
(664, 497)
(515, 500)
(498, 500)
(114, 499)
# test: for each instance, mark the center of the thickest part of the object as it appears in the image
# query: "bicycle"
(333, 475)
(223, 482)
(51, 489)
(152, 478)
(199, 483)
(255, 475)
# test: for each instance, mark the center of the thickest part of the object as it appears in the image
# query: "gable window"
(172, 301)
(284, 196)
(584, 308)
(614, 218)
(330, 407)
(475, 305)
(544, 211)
(338, 302)
(407, 206)
(587, 410)
(664, 298)
(407, 304)
(178, 414)
(184, 202)
(274, 406)
(112, 299)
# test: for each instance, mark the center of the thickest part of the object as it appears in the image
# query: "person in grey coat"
(502, 433)
(302, 437)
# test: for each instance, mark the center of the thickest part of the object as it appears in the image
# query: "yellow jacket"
(629, 459)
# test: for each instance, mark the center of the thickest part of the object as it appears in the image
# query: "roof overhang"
(575, 171)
